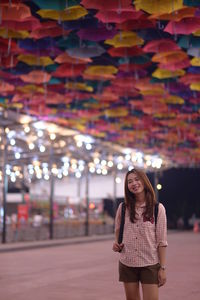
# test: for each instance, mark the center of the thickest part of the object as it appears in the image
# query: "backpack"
(121, 230)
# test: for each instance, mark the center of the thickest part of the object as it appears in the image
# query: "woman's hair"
(130, 198)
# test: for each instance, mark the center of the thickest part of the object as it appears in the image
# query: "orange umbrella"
(176, 65)
(36, 77)
(66, 58)
(5, 87)
(180, 14)
(169, 57)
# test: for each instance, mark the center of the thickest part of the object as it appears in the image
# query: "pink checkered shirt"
(142, 238)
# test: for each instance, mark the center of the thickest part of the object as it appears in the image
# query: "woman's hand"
(117, 247)
(161, 277)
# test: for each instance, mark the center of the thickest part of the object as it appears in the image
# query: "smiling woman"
(142, 252)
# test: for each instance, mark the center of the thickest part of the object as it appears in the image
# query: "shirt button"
(136, 237)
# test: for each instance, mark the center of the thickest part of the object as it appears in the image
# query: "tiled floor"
(89, 272)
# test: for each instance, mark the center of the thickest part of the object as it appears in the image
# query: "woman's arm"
(116, 246)
(162, 259)
(162, 255)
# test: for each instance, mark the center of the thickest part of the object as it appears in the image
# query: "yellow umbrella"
(195, 61)
(163, 74)
(69, 14)
(125, 39)
(31, 88)
(158, 6)
(172, 99)
(100, 70)
(33, 60)
(195, 86)
(116, 112)
(79, 86)
(8, 33)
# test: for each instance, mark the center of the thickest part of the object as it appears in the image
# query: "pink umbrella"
(185, 26)
(97, 34)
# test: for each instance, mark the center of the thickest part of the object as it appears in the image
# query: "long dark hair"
(130, 198)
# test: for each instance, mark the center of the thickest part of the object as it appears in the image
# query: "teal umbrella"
(56, 5)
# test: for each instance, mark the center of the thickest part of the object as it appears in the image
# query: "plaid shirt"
(142, 238)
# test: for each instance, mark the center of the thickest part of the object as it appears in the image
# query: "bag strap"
(121, 229)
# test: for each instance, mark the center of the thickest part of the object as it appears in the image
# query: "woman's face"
(135, 185)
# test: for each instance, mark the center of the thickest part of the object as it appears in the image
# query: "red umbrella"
(9, 61)
(189, 78)
(109, 16)
(133, 67)
(106, 5)
(30, 24)
(14, 11)
(162, 45)
(48, 28)
(141, 23)
(69, 70)
(125, 51)
(7, 46)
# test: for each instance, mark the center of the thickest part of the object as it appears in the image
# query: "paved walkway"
(88, 271)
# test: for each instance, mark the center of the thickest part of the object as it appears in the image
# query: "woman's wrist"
(163, 267)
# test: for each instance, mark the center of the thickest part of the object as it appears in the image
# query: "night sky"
(180, 193)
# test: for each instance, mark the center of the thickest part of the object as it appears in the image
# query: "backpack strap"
(156, 212)
(121, 229)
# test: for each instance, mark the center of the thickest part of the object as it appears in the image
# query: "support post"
(114, 197)
(87, 201)
(4, 185)
(155, 185)
(52, 182)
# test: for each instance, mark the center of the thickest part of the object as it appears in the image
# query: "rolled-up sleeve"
(161, 227)
(118, 217)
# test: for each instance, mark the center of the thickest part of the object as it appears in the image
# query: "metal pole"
(87, 201)
(155, 185)
(114, 197)
(114, 191)
(4, 185)
(52, 182)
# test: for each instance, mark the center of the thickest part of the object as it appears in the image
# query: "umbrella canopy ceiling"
(124, 72)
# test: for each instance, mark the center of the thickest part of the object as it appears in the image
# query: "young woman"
(143, 251)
